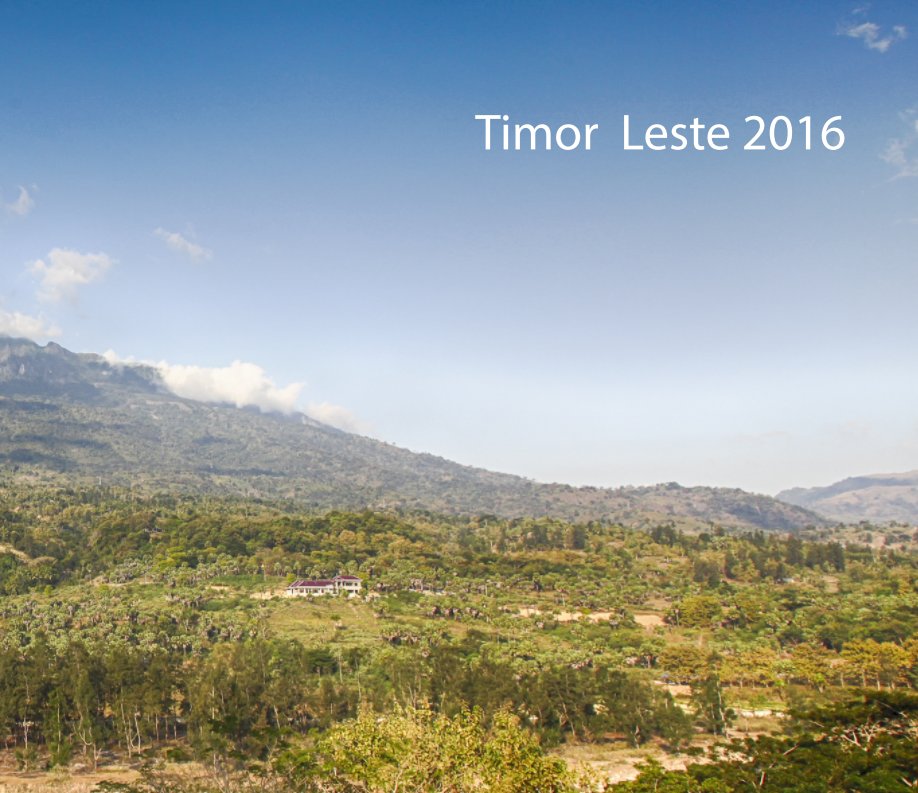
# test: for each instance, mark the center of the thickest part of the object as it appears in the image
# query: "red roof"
(321, 582)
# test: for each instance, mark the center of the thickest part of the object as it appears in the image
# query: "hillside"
(78, 416)
(144, 634)
(878, 498)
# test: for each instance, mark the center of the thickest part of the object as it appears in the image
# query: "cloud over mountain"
(336, 416)
(244, 384)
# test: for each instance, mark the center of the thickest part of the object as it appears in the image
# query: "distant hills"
(878, 498)
(78, 417)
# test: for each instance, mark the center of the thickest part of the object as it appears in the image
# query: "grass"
(315, 621)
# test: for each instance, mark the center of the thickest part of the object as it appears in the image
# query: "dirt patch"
(600, 616)
(613, 763)
(649, 621)
(676, 689)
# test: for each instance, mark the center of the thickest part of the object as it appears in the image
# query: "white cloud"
(23, 204)
(66, 270)
(14, 323)
(243, 384)
(336, 416)
(870, 34)
(182, 244)
(899, 152)
(240, 384)
(113, 359)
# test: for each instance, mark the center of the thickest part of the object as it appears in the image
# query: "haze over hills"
(878, 498)
(79, 416)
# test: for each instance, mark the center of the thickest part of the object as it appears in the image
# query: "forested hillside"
(67, 417)
(152, 631)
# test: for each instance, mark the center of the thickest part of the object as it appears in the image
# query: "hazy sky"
(302, 189)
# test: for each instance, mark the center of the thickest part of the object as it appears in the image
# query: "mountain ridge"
(78, 415)
(879, 498)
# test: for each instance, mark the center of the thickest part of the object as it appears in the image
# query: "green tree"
(712, 714)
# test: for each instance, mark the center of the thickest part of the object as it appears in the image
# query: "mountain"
(878, 498)
(81, 418)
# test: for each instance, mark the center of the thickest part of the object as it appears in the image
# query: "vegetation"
(868, 743)
(66, 415)
(146, 628)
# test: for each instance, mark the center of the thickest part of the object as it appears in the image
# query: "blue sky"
(301, 188)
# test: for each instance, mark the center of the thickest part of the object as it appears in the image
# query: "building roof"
(322, 582)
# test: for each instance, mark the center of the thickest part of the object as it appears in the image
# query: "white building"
(348, 584)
